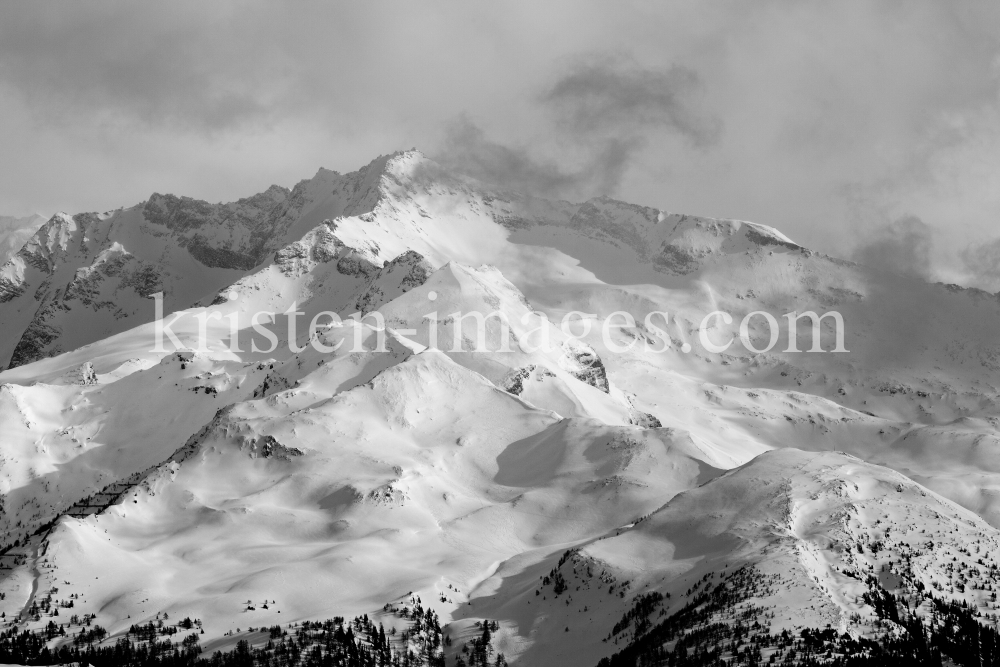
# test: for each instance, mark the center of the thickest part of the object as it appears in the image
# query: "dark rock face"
(34, 341)
(238, 235)
(221, 258)
(419, 270)
(319, 246)
(590, 367)
(10, 289)
(94, 287)
(354, 264)
(397, 277)
(268, 447)
(81, 262)
(113, 262)
(673, 259)
(272, 383)
(132, 273)
(603, 217)
(514, 382)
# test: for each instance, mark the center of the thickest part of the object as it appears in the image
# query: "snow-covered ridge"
(183, 247)
(189, 249)
(597, 496)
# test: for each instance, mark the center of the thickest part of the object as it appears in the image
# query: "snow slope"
(802, 489)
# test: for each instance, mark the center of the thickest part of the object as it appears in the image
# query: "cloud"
(601, 108)
(616, 97)
(822, 119)
(467, 150)
(983, 262)
(903, 247)
(136, 63)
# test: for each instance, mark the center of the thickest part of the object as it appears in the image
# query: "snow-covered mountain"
(622, 495)
(84, 277)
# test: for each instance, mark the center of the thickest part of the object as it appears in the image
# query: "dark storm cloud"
(616, 97)
(603, 110)
(902, 247)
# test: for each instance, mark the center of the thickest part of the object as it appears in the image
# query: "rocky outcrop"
(397, 277)
(616, 221)
(82, 375)
(35, 343)
(319, 246)
(643, 419)
(583, 362)
(237, 235)
(272, 383)
(267, 447)
(513, 383)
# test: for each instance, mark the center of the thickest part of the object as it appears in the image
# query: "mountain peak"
(581, 471)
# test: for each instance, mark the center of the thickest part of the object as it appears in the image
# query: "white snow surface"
(332, 483)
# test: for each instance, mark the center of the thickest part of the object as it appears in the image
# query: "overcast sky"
(869, 130)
